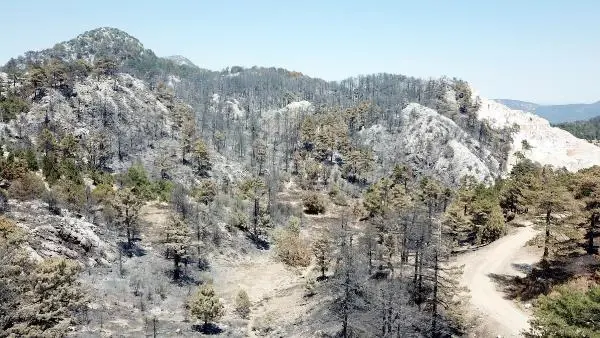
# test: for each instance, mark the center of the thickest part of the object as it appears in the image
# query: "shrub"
(205, 305)
(28, 187)
(53, 202)
(103, 193)
(290, 248)
(313, 203)
(205, 192)
(100, 177)
(71, 194)
(337, 196)
(11, 168)
(239, 219)
(242, 304)
(163, 189)
(567, 312)
(28, 155)
(310, 286)
(136, 178)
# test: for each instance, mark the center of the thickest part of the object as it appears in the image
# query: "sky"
(546, 52)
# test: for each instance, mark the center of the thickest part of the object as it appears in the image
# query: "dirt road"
(498, 316)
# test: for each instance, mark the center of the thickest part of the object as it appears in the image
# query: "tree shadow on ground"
(540, 278)
(184, 279)
(260, 243)
(133, 250)
(208, 329)
(203, 264)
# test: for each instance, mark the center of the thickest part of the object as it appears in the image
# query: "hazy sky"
(545, 51)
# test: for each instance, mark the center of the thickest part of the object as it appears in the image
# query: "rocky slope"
(432, 143)
(538, 140)
(181, 60)
(66, 235)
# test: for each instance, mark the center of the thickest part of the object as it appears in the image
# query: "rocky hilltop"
(537, 140)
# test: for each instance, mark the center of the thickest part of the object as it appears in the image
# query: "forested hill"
(216, 96)
(589, 130)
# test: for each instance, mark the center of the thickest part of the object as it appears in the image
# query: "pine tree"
(550, 196)
(255, 189)
(358, 163)
(493, 227)
(105, 66)
(177, 243)
(37, 79)
(242, 304)
(402, 175)
(201, 158)
(205, 305)
(588, 191)
(52, 297)
(455, 221)
(188, 135)
(127, 206)
(322, 248)
(259, 154)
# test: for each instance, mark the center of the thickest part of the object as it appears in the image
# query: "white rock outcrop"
(431, 142)
(547, 145)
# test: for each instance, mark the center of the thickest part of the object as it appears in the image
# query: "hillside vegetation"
(145, 196)
(589, 130)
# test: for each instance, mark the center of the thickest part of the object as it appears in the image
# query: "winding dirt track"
(498, 316)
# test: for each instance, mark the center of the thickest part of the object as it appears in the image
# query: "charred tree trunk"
(547, 236)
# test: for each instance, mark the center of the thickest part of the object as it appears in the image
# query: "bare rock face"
(537, 140)
(433, 143)
(65, 235)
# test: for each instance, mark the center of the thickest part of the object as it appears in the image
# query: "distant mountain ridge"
(556, 113)
(517, 104)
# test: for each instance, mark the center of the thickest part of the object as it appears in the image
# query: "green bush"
(136, 178)
(567, 312)
(238, 219)
(28, 156)
(101, 177)
(337, 196)
(12, 168)
(70, 194)
(205, 192)
(313, 203)
(290, 247)
(163, 189)
(11, 106)
(103, 193)
(28, 187)
(50, 168)
(242, 304)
